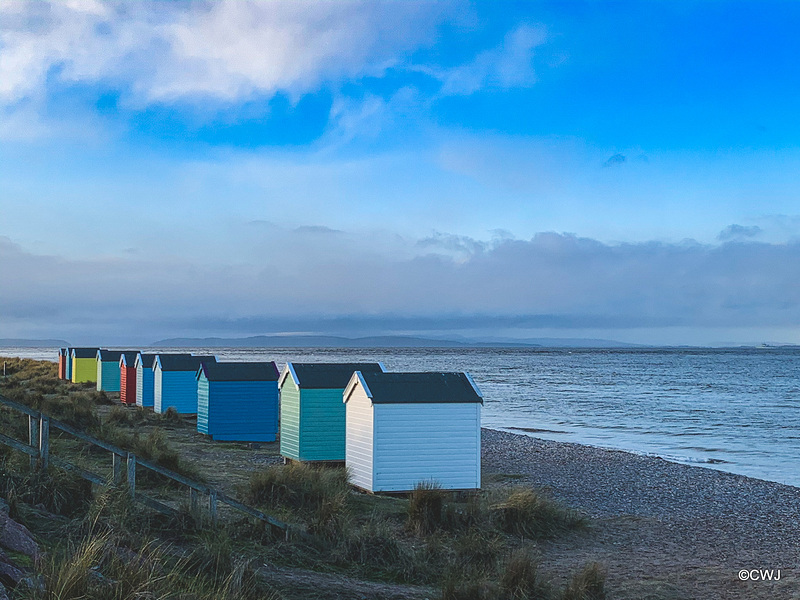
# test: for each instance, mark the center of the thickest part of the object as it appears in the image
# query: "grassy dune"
(430, 544)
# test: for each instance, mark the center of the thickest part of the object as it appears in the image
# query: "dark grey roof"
(85, 352)
(413, 388)
(129, 356)
(62, 351)
(109, 355)
(181, 362)
(147, 360)
(239, 371)
(330, 375)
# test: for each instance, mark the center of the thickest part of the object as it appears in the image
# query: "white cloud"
(227, 50)
(506, 66)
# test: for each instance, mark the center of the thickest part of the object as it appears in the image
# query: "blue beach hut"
(108, 370)
(238, 401)
(312, 411)
(175, 382)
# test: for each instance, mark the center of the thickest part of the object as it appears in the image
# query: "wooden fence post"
(33, 439)
(212, 506)
(44, 442)
(193, 503)
(132, 474)
(116, 468)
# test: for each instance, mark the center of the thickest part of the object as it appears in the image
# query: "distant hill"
(18, 343)
(389, 341)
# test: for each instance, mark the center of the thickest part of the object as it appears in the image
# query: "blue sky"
(497, 169)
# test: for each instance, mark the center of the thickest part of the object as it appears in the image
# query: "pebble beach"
(662, 529)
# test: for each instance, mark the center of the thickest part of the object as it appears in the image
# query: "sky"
(479, 170)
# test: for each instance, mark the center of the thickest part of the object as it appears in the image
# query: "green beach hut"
(312, 411)
(84, 364)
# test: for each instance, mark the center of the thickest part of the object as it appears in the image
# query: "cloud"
(615, 160)
(507, 66)
(351, 280)
(228, 51)
(738, 232)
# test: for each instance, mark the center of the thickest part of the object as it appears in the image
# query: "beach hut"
(108, 370)
(238, 401)
(62, 363)
(404, 429)
(127, 377)
(68, 371)
(144, 379)
(84, 365)
(175, 382)
(312, 413)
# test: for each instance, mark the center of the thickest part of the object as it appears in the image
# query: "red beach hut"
(127, 378)
(62, 363)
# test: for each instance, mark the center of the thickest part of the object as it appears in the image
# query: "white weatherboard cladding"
(434, 443)
(157, 390)
(359, 444)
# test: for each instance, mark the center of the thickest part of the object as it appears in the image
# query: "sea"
(735, 410)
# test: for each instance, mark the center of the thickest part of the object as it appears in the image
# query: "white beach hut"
(404, 429)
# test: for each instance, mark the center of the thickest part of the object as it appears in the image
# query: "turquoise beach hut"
(312, 411)
(69, 364)
(238, 402)
(175, 382)
(108, 370)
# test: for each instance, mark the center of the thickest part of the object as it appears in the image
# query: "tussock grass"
(57, 491)
(318, 494)
(589, 584)
(527, 513)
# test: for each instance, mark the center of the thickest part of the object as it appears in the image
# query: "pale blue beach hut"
(108, 370)
(238, 401)
(406, 429)
(312, 412)
(175, 382)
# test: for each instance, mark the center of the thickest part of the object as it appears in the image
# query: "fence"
(38, 449)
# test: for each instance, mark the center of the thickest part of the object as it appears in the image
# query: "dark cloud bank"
(551, 281)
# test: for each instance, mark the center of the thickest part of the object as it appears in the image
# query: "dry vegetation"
(101, 545)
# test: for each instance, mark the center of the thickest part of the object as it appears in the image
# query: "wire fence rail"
(123, 467)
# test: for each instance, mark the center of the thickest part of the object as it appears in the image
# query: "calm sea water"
(735, 410)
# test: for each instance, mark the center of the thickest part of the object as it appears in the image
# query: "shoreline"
(654, 522)
(708, 464)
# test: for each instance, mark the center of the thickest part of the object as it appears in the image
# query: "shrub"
(527, 513)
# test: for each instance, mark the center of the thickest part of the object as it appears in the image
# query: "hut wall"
(177, 389)
(144, 386)
(434, 443)
(69, 368)
(290, 419)
(360, 439)
(322, 420)
(241, 411)
(84, 369)
(108, 373)
(128, 383)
